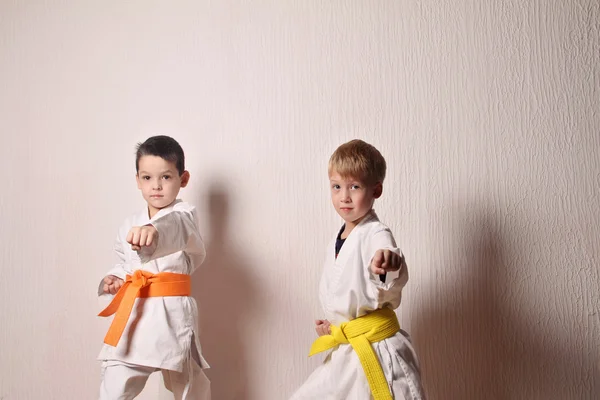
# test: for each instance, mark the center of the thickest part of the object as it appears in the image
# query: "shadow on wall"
(472, 347)
(225, 294)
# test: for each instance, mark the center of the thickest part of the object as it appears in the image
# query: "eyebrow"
(345, 181)
(160, 173)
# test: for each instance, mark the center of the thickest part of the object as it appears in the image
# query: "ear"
(137, 179)
(185, 178)
(378, 190)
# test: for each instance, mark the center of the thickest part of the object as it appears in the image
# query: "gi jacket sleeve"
(390, 292)
(177, 231)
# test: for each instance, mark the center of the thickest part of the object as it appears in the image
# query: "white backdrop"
(487, 113)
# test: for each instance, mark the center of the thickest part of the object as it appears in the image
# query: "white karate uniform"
(348, 290)
(162, 332)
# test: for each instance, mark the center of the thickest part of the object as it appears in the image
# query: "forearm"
(177, 231)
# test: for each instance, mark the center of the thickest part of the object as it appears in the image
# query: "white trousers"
(123, 381)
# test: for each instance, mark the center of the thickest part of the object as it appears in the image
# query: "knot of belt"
(360, 333)
(141, 284)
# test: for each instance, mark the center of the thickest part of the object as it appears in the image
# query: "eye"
(336, 187)
(145, 177)
(355, 187)
(167, 177)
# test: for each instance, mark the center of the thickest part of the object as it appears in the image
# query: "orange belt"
(141, 284)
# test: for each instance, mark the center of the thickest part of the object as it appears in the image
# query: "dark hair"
(164, 147)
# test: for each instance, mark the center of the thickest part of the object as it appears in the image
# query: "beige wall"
(487, 112)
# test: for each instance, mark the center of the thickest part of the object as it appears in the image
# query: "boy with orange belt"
(155, 327)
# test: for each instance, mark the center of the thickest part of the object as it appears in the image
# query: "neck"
(350, 225)
(152, 212)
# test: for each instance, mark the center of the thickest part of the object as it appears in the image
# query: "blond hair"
(359, 160)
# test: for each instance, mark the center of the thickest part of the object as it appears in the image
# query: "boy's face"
(352, 198)
(159, 181)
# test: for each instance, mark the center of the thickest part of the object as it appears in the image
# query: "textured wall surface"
(488, 115)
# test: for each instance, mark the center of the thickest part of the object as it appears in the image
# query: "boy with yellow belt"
(362, 282)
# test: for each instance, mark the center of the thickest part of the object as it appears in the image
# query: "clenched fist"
(140, 236)
(385, 260)
(112, 284)
(323, 327)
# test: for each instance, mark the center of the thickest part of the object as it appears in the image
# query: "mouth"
(156, 196)
(345, 209)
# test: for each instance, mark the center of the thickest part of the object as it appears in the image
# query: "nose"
(157, 184)
(345, 196)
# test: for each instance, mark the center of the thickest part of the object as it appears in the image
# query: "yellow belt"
(360, 333)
